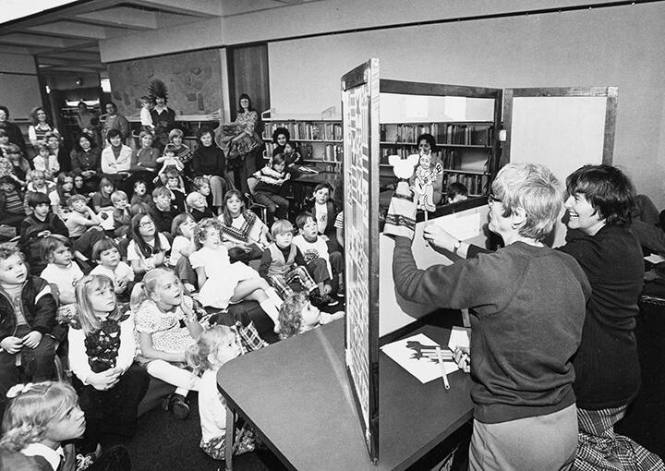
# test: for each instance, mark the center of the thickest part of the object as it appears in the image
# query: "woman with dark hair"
(529, 304)
(607, 368)
(209, 161)
(12, 130)
(242, 142)
(86, 157)
(40, 127)
(426, 146)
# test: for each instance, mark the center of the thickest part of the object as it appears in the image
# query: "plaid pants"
(600, 448)
(300, 274)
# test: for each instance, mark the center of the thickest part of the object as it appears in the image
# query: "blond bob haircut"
(86, 314)
(30, 412)
(534, 189)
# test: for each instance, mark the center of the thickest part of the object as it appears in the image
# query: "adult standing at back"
(39, 128)
(114, 120)
(242, 142)
(12, 130)
(528, 304)
(607, 368)
(163, 117)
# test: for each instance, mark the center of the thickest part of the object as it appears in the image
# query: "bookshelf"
(465, 149)
(319, 142)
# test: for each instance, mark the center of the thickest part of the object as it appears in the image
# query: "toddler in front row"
(213, 348)
(297, 315)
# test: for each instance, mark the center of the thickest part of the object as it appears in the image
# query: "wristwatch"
(456, 246)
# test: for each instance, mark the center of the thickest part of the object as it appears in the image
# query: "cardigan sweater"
(528, 311)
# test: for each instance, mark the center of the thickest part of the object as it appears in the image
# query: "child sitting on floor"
(283, 264)
(198, 206)
(160, 305)
(270, 187)
(122, 218)
(201, 184)
(222, 282)
(107, 256)
(40, 418)
(215, 347)
(313, 247)
(297, 315)
(11, 202)
(183, 246)
(25, 331)
(141, 193)
(62, 272)
(81, 217)
(177, 193)
(102, 348)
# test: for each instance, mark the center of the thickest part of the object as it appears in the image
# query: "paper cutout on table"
(459, 337)
(417, 355)
(461, 227)
(655, 258)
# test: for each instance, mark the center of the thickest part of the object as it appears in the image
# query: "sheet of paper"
(417, 355)
(107, 223)
(461, 227)
(459, 337)
(655, 258)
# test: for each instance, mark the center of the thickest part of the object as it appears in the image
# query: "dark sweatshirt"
(208, 161)
(528, 311)
(607, 367)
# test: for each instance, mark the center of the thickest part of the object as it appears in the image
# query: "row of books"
(470, 159)
(306, 130)
(476, 184)
(314, 151)
(460, 134)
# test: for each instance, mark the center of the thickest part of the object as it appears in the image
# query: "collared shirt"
(49, 454)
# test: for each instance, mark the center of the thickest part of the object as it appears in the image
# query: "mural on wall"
(193, 80)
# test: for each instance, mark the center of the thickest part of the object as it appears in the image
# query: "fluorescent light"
(106, 85)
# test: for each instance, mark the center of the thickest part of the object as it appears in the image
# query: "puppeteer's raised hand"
(438, 237)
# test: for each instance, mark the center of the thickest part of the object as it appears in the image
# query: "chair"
(258, 208)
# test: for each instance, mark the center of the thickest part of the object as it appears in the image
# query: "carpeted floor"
(165, 443)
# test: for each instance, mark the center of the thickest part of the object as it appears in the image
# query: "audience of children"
(45, 161)
(198, 206)
(61, 272)
(170, 161)
(140, 194)
(35, 227)
(12, 211)
(163, 209)
(121, 215)
(160, 304)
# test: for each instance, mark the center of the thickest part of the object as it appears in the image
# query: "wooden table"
(296, 395)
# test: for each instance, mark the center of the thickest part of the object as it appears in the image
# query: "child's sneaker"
(177, 404)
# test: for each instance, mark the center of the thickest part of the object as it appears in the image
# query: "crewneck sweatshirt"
(528, 307)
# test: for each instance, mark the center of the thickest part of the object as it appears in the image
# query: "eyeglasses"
(146, 224)
(492, 199)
